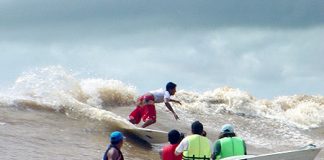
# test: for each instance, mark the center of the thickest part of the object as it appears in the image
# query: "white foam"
(299, 111)
(54, 88)
(108, 92)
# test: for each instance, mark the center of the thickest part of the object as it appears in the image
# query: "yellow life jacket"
(198, 148)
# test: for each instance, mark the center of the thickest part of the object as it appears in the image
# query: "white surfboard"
(149, 135)
(303, 154)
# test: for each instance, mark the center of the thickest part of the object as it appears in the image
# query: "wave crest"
(302, 111)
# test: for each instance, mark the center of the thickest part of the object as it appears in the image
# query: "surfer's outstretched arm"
(175, 101)
(168, 105)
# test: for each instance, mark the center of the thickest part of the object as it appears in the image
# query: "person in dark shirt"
(113, 150)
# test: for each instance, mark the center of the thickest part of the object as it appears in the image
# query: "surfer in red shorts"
(145, 108)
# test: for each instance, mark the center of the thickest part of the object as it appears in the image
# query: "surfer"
(228, 144)
(145, 108)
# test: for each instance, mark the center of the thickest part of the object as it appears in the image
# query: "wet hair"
(223, 135)
(197, 128)
(170, 86)
(174, 136)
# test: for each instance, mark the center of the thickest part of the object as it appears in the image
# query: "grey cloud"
(142, 14)
(264, 47)
(46, 21)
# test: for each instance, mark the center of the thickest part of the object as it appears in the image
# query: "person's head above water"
(174, 136)
(197, 128)
(116, 137)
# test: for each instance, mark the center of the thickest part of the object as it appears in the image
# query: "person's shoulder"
(168, 147)
(187, 138)
(239, 138)
(206, 138)
(184, 140)
(113, 153)
(113, 150)
(166, 94)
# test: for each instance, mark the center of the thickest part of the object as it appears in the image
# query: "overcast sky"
(267, 48)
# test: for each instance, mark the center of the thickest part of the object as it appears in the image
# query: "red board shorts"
(144, 109)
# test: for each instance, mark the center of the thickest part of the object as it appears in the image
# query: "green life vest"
(198, 148)
(231, 146)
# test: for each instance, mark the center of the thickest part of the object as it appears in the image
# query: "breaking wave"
(54, 88)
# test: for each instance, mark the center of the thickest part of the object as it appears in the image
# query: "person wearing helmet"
(145, 108)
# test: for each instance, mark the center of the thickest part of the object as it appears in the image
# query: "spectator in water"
(228, 144)
(113, 150)
(167, 152)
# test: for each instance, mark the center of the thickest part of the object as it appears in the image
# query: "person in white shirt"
(145, 108)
